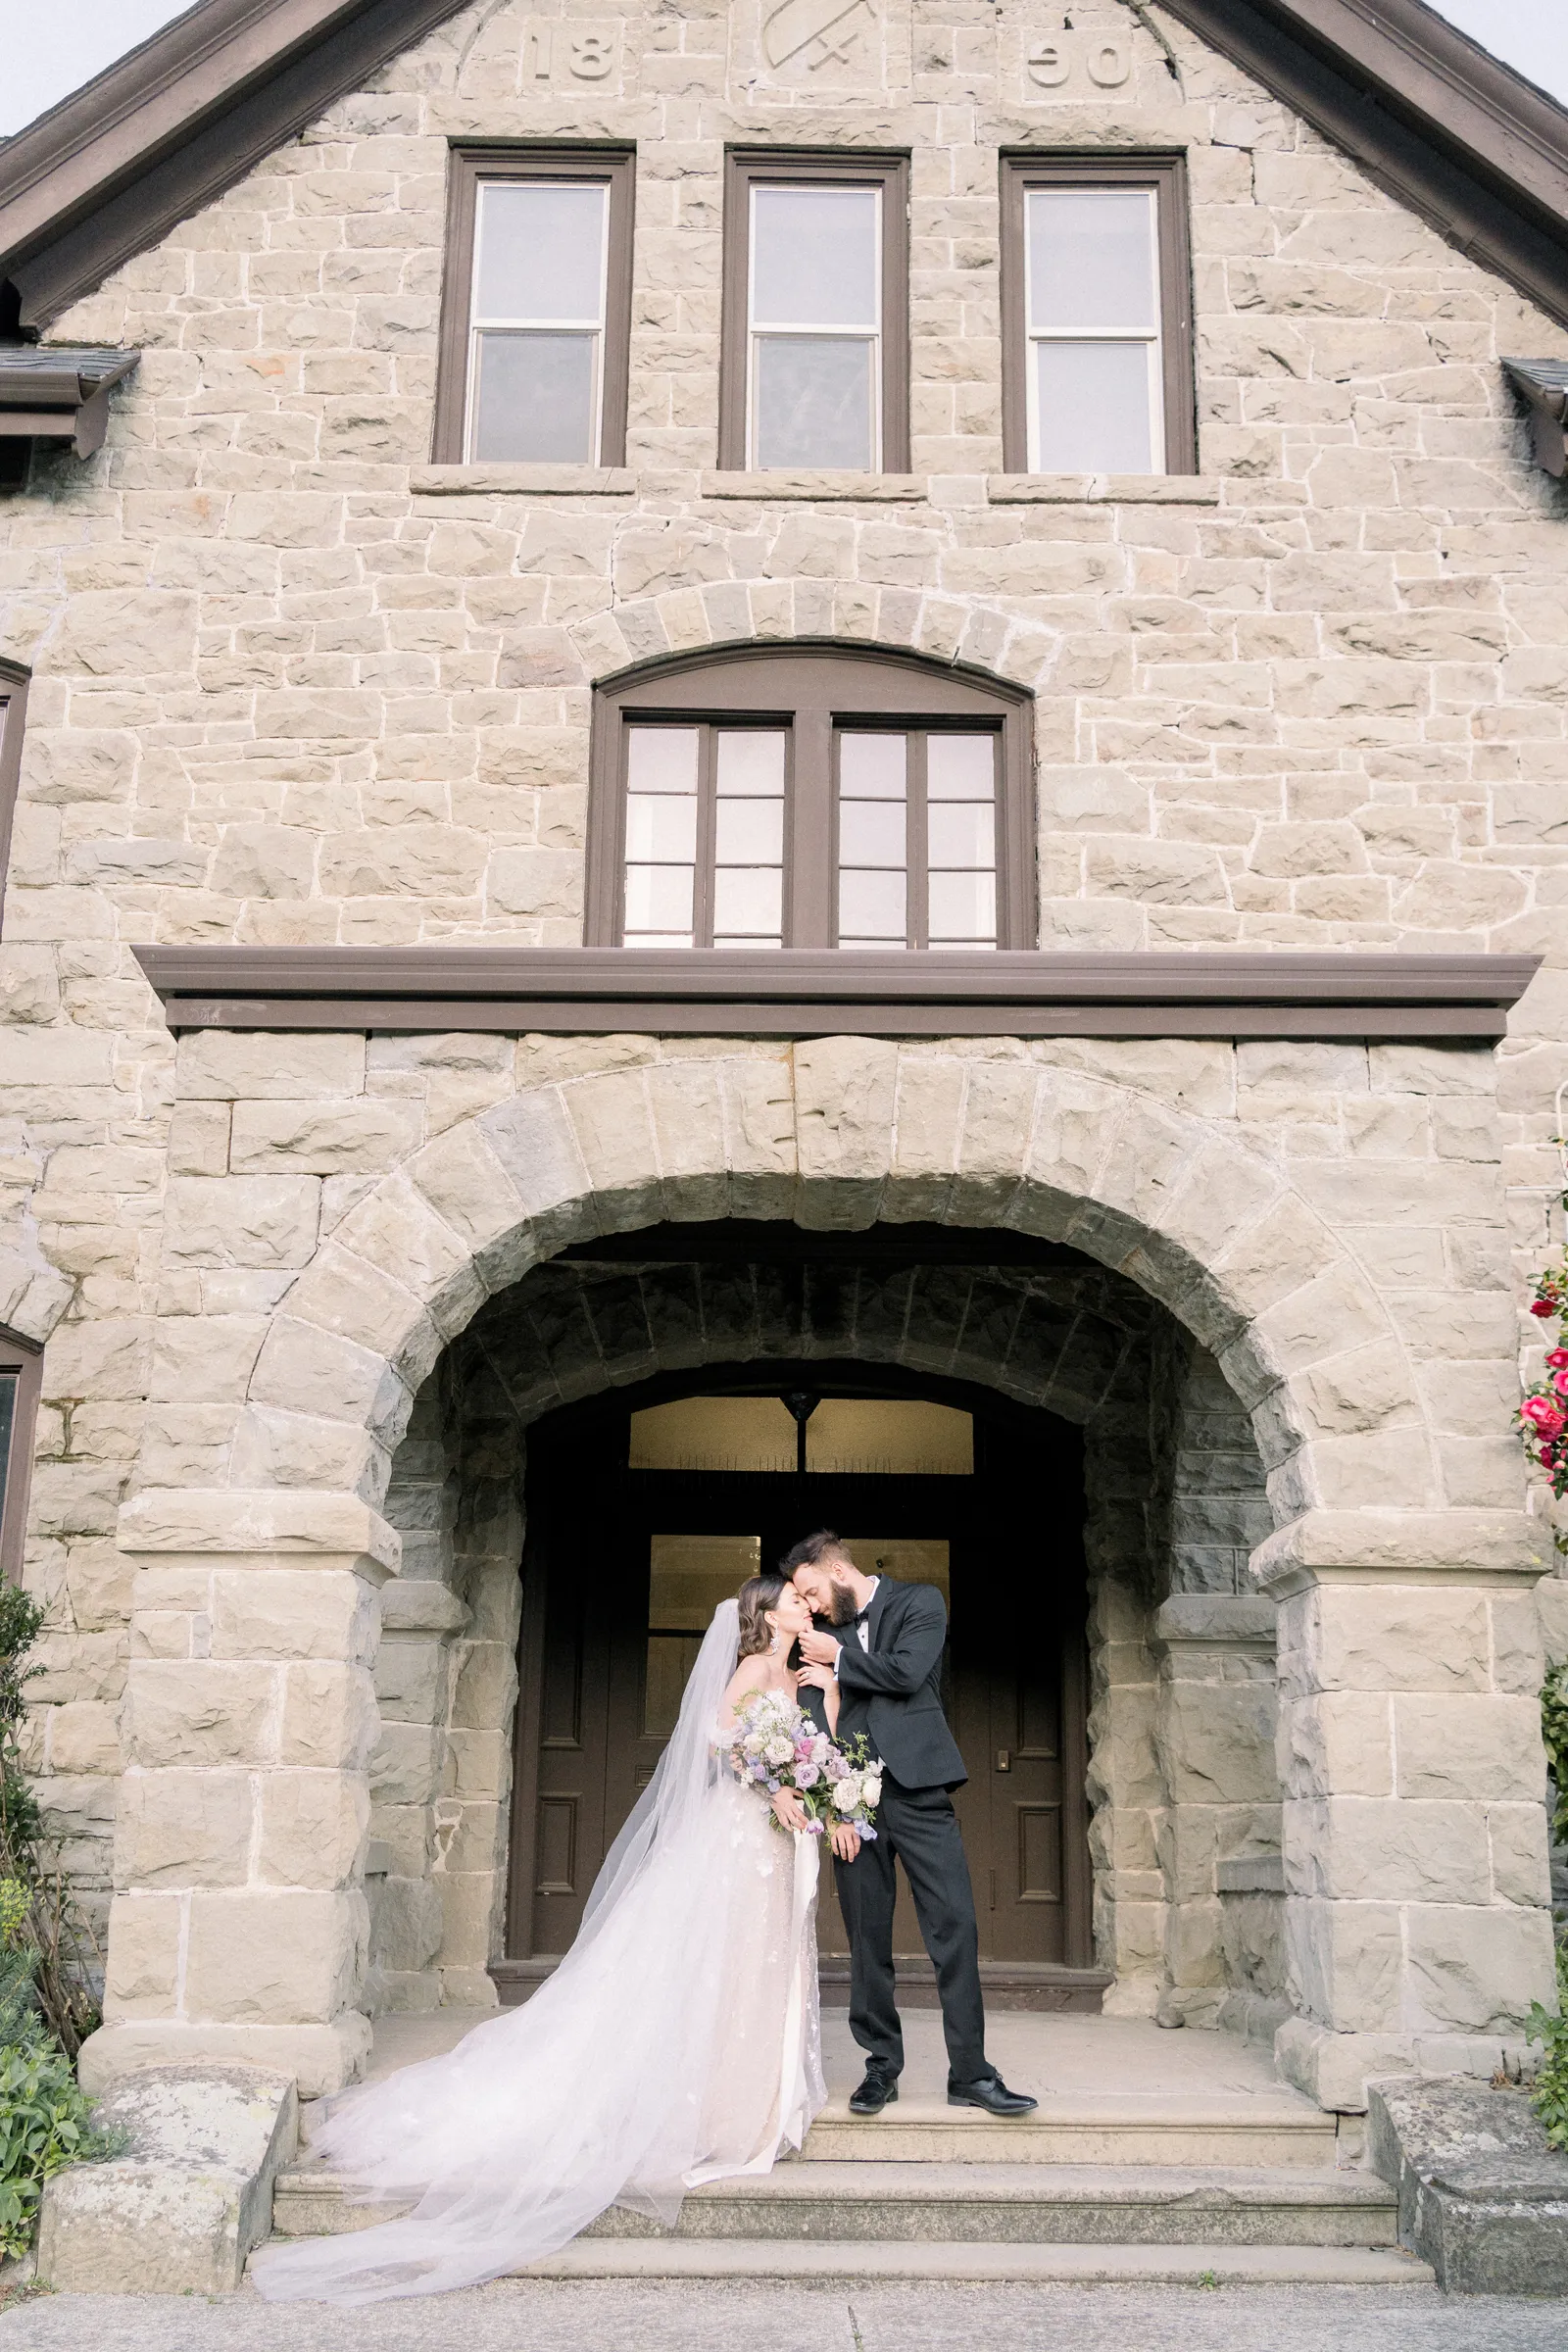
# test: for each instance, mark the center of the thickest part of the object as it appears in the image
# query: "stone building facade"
(292, 685)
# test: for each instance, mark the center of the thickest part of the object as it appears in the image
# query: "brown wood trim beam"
(807, 993)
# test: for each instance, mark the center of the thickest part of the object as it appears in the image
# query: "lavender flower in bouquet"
(774, 1746)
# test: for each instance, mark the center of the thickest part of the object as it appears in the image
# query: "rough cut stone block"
(180, 2211)
(1481, 2197)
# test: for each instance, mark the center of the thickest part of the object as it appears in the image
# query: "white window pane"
(661, 827)
(872, 767)
(961, 833)
(535, 398)
(658, 897)
(872, 833)
(960, 767)
(1092, 262)
(541, 252)
(774, 941)
(1093, 413)
(962, 906)
(750, 760)
(813, 402)
(872, 908)
(814, 257)
(747, 901)
(748, 832)
(661, 758)
(658, 939)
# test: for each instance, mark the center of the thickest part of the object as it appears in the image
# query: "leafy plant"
(1549, 2094)
(43, 1922)
(45, 2123)
(1554, 1731)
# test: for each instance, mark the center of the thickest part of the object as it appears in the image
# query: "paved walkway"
(533, 2316)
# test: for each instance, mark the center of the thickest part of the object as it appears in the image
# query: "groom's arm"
(909, 1658)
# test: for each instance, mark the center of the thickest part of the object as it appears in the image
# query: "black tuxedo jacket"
(892, 1690)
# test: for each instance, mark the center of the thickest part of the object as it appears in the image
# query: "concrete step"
(866, 2263)
(1281, 2129)
(963, 2204)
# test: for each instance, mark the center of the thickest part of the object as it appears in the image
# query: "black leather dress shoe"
(993, 2094)
(875, 2093)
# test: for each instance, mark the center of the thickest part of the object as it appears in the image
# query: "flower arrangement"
(1544, 1414)
(774, 1746)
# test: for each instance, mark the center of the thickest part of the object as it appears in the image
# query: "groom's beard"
(845, 1608)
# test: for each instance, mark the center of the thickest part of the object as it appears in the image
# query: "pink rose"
(1557, 1358)
(1544, 1414)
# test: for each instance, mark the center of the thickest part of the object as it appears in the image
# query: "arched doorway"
(646, 1507)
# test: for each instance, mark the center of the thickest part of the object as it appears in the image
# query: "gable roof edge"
(172, 125)
(1474, 149)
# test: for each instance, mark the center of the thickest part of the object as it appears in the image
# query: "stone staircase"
(1129, 2187)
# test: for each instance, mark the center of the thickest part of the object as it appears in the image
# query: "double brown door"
(621, 1573)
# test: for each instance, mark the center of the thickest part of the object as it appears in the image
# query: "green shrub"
(42, 1919)
(1549, 2094)
(45, 2123)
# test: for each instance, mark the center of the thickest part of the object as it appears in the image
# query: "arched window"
(810, 795)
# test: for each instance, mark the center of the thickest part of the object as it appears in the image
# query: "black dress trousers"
(920, 1827)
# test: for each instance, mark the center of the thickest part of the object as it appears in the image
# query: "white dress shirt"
(862, 1628)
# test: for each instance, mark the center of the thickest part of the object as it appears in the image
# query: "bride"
(678, 2042)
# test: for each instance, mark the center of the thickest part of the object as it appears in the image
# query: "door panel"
(614, 1621)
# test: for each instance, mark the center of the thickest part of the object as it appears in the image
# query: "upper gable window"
(1096, 334)
(811, 799)
(815, 343)
(536, 316)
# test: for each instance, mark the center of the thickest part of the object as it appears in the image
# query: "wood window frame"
(25, 1358)
(745, 168)
(811, 688)
(614, 167)
(1165, 176)
(14, 682)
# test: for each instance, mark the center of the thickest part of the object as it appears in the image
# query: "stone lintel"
(1401, 1547)
(264, 1527)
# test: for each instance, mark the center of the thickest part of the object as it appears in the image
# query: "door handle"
(1004, 1759)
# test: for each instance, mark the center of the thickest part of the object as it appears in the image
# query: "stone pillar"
(1417, 1924)
(238, 1927)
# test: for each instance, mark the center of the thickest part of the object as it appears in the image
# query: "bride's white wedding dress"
(678, 2042)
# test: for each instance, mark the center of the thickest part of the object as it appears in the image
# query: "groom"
(885, 1651)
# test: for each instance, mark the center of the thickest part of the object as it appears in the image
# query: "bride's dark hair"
(756, 1597)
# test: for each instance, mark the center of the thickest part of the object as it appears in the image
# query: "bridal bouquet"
(775, 1745)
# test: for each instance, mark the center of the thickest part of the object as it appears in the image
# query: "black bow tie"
(862, 1615)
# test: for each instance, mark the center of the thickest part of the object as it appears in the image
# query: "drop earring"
(776, 1645)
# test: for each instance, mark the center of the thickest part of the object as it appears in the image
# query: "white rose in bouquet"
(871, 1791)
(778, 1751)
(846, 1793)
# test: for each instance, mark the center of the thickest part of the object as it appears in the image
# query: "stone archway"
(240, 1928)
(1182, 1726)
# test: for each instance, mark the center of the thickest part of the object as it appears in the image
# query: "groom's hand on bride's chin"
(818, 1649)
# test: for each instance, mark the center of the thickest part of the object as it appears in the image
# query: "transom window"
(1098, 365)
(781, 798)
(537, 312)
(815, 314)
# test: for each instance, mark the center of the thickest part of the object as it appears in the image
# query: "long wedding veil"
(591, 2093)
